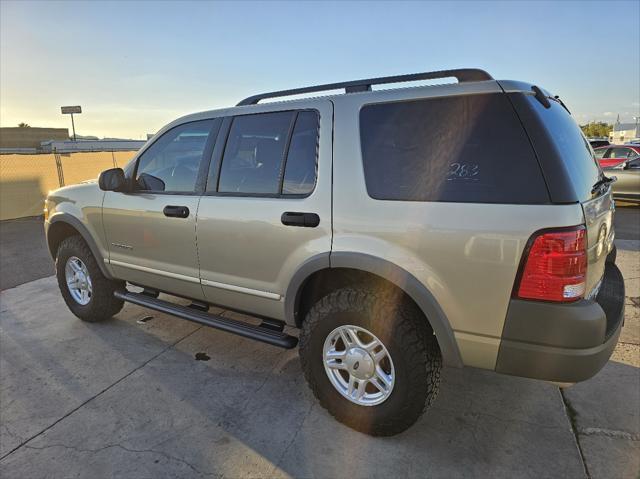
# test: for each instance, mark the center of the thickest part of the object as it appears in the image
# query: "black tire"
(102, 304)
(613, 254)
(408, 339)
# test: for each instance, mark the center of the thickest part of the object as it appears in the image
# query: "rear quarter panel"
(467, 255)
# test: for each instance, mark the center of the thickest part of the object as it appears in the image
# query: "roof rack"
(462, 74)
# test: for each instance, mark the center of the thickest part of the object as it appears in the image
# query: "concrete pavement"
(163, 397)
(128, 398)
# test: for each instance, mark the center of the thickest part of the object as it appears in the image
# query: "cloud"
(608, 113)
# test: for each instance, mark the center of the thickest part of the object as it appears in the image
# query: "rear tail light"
(555, 266)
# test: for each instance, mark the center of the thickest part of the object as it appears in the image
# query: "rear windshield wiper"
(604, 181)
(557, 98)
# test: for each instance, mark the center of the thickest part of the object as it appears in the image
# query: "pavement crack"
(598, 431)
(572, 415)
(127, 449)
(293, 440)
(25, 442)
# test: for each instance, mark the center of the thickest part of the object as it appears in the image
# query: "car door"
(267, 208)
(151, 229)
(614, 156)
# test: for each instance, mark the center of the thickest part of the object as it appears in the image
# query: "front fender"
(65, 218)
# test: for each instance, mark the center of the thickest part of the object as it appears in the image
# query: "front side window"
(172, 163)
(270, 154)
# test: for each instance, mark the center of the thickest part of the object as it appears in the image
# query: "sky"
(135, 66)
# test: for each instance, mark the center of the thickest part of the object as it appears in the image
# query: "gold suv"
(465, 224)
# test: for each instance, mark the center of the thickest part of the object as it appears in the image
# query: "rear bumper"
(564, 343)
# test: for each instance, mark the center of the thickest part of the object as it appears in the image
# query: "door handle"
(294, 218)
(176, 211)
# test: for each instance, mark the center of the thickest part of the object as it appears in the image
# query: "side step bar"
(265, 332)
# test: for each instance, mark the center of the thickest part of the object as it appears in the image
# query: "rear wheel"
(371, 360)
(87, 292)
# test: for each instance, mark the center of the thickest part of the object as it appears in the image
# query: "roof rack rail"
(462, 74)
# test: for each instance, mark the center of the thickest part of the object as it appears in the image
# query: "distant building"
(91, 145)
(623, 132)
(29, 139)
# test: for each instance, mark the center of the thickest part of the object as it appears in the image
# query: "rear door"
(616, 155)
(267, 206)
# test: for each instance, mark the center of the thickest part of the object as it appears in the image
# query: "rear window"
(469, 148)
(567, 157)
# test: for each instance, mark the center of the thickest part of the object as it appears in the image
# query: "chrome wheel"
(358, 365)
(78, 280)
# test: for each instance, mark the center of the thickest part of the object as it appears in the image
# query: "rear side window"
(271, 154)
(254, 153)
(300, 171)
(468, 148)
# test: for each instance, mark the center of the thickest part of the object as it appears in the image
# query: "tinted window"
(619, 153)
(467, 148)
(254, 153)
(300, 170)
(172, 163)
(566, 155)
(600, 152)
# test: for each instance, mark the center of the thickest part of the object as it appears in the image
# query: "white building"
(623, 132)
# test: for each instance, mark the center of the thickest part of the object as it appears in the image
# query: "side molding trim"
(168, 274)
(240, 289)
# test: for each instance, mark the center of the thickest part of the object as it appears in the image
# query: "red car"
(613, 155)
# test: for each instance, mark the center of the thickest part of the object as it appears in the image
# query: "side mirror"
(148, 182)
(112, 180)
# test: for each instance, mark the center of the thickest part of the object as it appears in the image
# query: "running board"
(264, 332)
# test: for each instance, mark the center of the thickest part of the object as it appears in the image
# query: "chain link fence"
(25, 180)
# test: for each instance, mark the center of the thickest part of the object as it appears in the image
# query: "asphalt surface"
(139, 397)
(23, 252)
(627, 222)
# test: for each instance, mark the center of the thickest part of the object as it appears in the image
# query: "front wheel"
(371, 360)
(87, 292)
